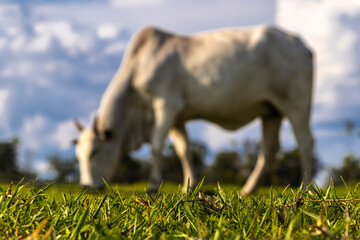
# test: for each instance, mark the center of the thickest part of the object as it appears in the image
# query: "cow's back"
(228, 72)
(240, 57)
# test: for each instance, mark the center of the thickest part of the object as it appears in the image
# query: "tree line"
(8, 158)
(228, 166)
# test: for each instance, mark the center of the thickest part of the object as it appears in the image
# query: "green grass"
(127, 212)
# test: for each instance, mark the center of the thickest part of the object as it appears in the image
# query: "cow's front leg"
(182, 147)
(164, 118)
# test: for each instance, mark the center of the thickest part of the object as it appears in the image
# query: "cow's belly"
(229, 117)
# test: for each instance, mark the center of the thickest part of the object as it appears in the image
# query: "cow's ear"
(78, 125)
(95, 125)
(107, 135)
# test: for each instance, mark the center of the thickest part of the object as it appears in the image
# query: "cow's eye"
(93, 153)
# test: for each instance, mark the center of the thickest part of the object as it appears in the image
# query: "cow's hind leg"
(182, 147)
(301, 126)
(270, 143)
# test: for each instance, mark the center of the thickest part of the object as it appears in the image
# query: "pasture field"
(127, 212)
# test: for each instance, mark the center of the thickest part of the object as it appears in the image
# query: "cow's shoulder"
(261, 35)
(288, 39)
(151, 38)
(268, 38)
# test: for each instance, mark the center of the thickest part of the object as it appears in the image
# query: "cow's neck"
(123, 111)
(112, 105)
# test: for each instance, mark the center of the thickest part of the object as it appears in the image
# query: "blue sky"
(57, 57)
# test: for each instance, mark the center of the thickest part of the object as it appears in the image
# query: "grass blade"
(109, 188)
(80, 223)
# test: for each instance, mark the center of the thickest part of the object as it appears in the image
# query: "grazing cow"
(228, 77)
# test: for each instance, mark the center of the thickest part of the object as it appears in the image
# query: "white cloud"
(107, 31)
(43, 169)
(63, 135)
(4, 94)
(3, 43)
(64, 32)
(10, 16)
(25, 68)
(4, 125)
(287, 137)
(34, 132)
(41, 43)
(134, 3)
(12, 31)
(336, 45)
(329, 133)
(41, 138)
(18, 43)
(115, 48)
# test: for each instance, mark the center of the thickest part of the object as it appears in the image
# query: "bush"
(349, 171)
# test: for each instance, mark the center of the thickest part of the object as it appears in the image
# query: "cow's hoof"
(92, 189)
(152, 191)
(86, 187)
(209, 193)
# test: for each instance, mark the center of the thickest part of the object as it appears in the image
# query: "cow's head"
(97, 153)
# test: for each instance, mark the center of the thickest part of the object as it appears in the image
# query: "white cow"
(228, 77)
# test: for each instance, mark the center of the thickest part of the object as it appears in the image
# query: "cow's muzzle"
(92, 189)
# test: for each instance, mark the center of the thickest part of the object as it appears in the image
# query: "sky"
(57, 58)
